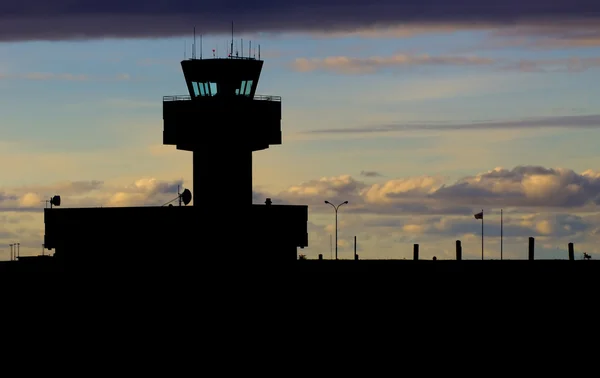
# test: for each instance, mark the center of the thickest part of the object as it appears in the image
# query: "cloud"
(591, 121)
(45, 76)
(344, 64)
(520, 187)
(370, 174)
(566, 34)
(573, 64)
(145, 191)
(408, 30)
(65, 19)
(349, 65)
(556, 206)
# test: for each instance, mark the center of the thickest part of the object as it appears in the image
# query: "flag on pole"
(479, 215)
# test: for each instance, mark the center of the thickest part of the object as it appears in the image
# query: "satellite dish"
(186, 196)
(55, 200)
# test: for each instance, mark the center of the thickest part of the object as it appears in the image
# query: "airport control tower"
(222, 121)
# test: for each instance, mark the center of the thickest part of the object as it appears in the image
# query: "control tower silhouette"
(222, 121)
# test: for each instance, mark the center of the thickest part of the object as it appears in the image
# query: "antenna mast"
(232, 39)
(200, 46)
(194, 45)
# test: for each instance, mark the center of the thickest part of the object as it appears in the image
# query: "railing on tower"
(189, 98)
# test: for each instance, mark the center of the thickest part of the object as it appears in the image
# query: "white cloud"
(522, 186)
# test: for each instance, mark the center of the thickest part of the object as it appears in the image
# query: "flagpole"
(482, 234)
(501, 233)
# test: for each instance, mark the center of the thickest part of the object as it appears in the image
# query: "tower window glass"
(245, 88)
(204, 89)
(248, 87)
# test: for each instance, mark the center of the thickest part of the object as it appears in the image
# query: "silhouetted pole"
(482, 234)
(531, 247)
(355, 256)
(415, 252)
(11, 252)
(336, 234)
(480, 217)
(458, 250)
(501, 233)
(336, 224)
(571, 252)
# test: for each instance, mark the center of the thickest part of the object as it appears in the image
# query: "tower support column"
(222, 194)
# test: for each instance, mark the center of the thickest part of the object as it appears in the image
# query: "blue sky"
(75, 112)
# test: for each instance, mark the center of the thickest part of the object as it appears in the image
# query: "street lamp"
(336, 223)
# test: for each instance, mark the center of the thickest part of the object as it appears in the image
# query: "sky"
(418, 114)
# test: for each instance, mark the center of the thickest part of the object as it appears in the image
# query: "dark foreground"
(451, 266)
(506, 268)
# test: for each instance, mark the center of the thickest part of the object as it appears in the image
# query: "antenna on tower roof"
(200, 46)
(259, 52)
(232, 39)
(194, 45)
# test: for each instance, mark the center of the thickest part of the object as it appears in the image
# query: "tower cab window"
(245, 88)
(204, 89)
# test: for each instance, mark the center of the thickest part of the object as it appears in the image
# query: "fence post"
(571, 252)
(531, 248)
(458, 250)
(415, 252)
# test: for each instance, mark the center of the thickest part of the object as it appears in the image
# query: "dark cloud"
(69, 19)
(370, 174)
(7, 197)
(568, 34)
(7, 235)
(576, 121)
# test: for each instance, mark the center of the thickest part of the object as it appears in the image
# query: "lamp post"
(336, 223)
